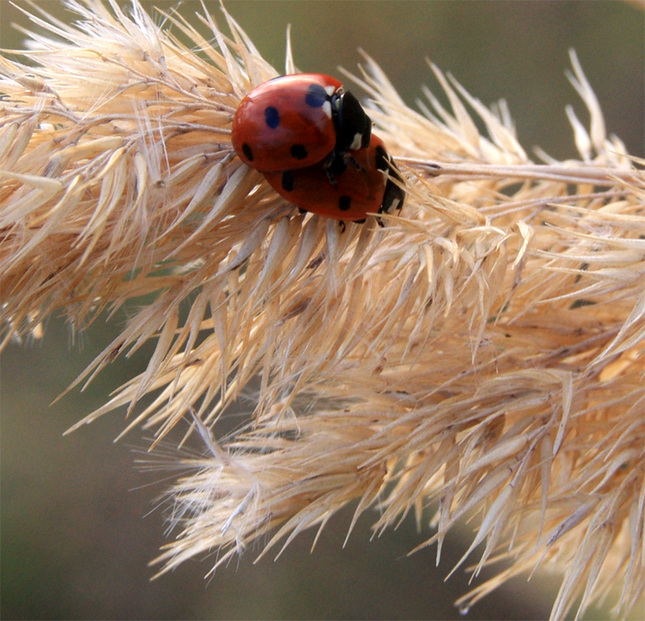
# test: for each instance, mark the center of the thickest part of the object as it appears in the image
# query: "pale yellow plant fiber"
(483, 350)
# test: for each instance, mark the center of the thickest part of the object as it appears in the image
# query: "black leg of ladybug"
(331, 177)
(342, 226)
(334, 166)
(352, 160)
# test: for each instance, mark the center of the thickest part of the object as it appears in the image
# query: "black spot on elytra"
(248, 153)
(272, 117)
(298, 151)
(316, 96)
(344, 203)
(287, 181)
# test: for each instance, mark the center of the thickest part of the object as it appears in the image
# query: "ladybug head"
(353, 126)
(394, 196)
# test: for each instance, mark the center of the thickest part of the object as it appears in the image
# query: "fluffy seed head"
(483, 350)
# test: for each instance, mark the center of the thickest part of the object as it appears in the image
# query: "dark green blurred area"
(77, 526)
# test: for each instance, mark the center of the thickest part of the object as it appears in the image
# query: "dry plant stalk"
(482, 350)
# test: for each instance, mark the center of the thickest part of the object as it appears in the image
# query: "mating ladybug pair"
(313, 143)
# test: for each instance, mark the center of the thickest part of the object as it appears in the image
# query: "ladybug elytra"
(298, 120)
(361, 186)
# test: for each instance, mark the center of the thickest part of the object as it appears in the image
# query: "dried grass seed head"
(483, 349)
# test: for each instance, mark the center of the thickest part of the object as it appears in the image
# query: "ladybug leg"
(351, 160)
(334, 166)
(331, 177)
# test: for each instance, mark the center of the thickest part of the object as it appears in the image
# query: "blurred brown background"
(78, 525)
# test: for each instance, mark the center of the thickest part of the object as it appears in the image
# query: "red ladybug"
(298, 120)
(360, 185)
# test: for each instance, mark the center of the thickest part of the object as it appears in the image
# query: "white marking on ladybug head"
(356, 143)
(326, 107)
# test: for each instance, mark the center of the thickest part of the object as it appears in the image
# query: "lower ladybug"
(298, 120)
(360, 185)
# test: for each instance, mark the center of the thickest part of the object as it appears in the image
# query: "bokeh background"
(79, 519)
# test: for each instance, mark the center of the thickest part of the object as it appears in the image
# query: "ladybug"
(298, 120)
(360, 186)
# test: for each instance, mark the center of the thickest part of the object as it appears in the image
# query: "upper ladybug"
(298, 120)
